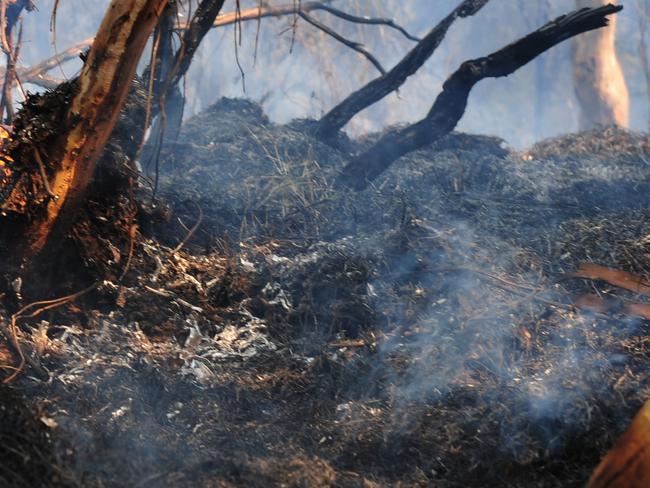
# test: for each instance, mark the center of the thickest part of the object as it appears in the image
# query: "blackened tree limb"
(365, 20)
(335, 119)
(355, 46)
(450, 105)
(199, 26)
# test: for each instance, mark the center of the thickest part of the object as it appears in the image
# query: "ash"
(419, 333)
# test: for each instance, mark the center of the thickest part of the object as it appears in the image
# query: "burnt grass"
(418, 333)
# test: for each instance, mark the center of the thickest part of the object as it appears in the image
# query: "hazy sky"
(319, 71)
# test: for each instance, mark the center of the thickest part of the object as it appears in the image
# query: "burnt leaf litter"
(419, 333)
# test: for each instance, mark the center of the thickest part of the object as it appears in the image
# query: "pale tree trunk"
(599, 82)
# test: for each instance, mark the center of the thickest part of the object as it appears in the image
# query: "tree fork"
(450, 105)
(376, 90)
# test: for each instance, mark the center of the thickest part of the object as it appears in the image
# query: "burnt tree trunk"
(450, 105)
(40, 210)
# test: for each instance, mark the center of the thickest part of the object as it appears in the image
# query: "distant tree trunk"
(598, 78)
(644, 16)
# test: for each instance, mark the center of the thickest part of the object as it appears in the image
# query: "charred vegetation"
(232, 301)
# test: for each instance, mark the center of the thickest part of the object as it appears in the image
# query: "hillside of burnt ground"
(424, 332)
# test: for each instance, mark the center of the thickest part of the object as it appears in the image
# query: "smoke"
(309, 76)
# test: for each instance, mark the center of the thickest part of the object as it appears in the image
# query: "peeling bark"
(102, 89)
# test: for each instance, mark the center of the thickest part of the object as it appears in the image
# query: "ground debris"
(420, 333)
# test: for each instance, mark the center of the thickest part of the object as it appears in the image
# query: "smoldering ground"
(417, 333)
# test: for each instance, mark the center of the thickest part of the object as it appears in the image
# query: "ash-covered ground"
(420, 333)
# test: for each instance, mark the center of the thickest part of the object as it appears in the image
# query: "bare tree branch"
(54, 61)
(257, 13)
(366, 20)
(335, 119)
(450, 105)
(355, 46)
(37, 74)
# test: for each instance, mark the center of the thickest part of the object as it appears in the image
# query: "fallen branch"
(450, 105)
(628, 462)
(376, 90)
(621, 279)
(594, 303)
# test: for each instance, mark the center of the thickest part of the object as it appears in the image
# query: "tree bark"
(627, 465)
(598, 78)
(339, 116)
(101, 91)
(450, 105)
(168, 100)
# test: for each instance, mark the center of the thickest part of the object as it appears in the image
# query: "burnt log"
(450, 105)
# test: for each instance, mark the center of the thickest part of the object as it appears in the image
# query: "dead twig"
(133, 235)
(191, 232)
(41, 169)
(44, 306)
(355, 46)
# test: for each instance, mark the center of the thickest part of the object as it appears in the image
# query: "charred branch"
(366, 20)
(355, 46)
(199, 26)
(379, 88)
(450, 105)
